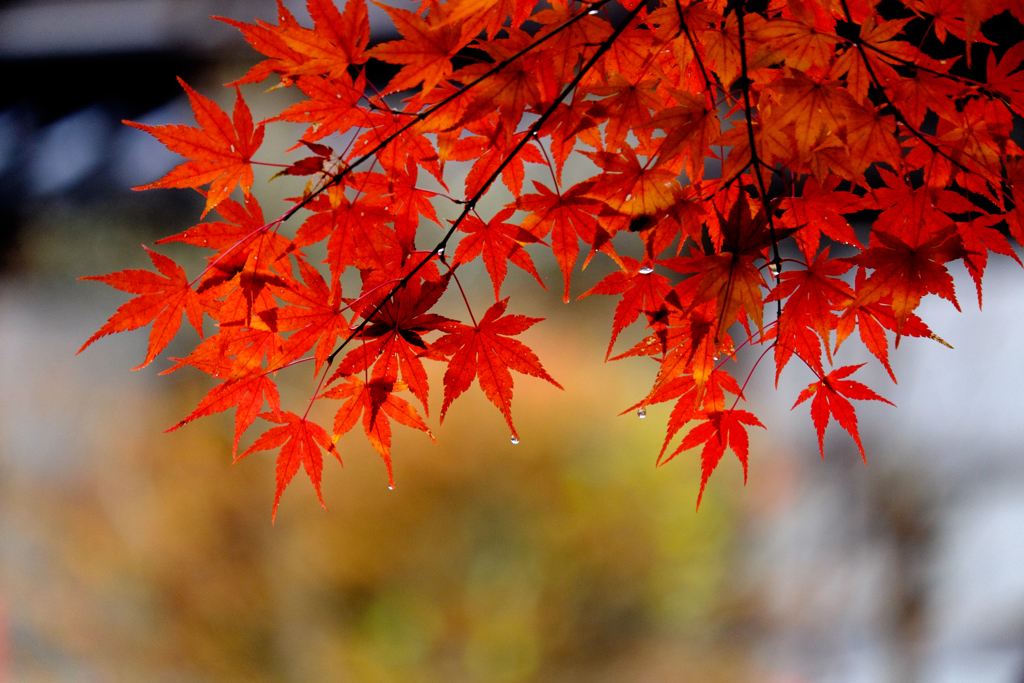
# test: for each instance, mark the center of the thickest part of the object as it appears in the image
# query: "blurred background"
(131, 554)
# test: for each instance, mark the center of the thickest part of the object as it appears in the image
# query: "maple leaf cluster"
(723, 134)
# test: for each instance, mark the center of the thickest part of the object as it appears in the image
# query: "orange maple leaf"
(903, 273)
(723, 429)
(500, 243)
(162, 298)
(486, 351)
(376, 402)
(300, 442)
(426, 50)
(222, 148)
(828, 393)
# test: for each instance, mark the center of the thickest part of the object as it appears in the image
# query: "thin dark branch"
(471, 203)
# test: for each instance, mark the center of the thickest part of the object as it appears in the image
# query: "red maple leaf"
(221, 149)
(903, 273)
(722, 429)
(813, 295)
(568, 218)
(500, 243)
(486, 351)
(300, 442)
(642, 290)
(315, 318)
(162, 298)
(830, 394)
(427, 49)
(393, 339)
(376, 402)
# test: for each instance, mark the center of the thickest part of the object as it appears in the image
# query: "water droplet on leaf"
(641, 412)
(774, 268)
(391, 487)
(515, 440)
(646, 270)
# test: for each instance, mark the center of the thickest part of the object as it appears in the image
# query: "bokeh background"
(128, 554)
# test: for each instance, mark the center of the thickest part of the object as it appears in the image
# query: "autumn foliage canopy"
(732, 142)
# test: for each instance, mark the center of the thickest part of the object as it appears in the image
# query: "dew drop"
(391, 487)
(440, 252)
(717, 356)
(593, 11)
(515, 440)
(774, 268)
(641, 412)
(646, 270)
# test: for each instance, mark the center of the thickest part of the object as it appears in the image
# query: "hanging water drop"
(391, 487)
(773, 268)
(515, 440)
(717, 356)
(646, 270)
(641, 412)
(440, 252)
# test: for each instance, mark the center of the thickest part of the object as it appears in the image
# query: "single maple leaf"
(221, 149)
(402, 198)
(355, 230)
(818, 210)
(246, 395)
(689, 127)
(300, 442)
(486, 351)
(813, 294)
(376, 402)
(489, 146)
(336, 42)
(523, 82)
(269, 40)
(729, 277)
(331, 107)
(499, 242)
(803, 41)
(723, 429)
(347, 31)
(1002, 78)
(627, 106)
(947, 16)
(881, 52)
(568, 217)
(830, 394)
(642, 290)
(813, 106)
(903, 273)
(426, 50)
(162, 298)
(629, 188)
(979, 237)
